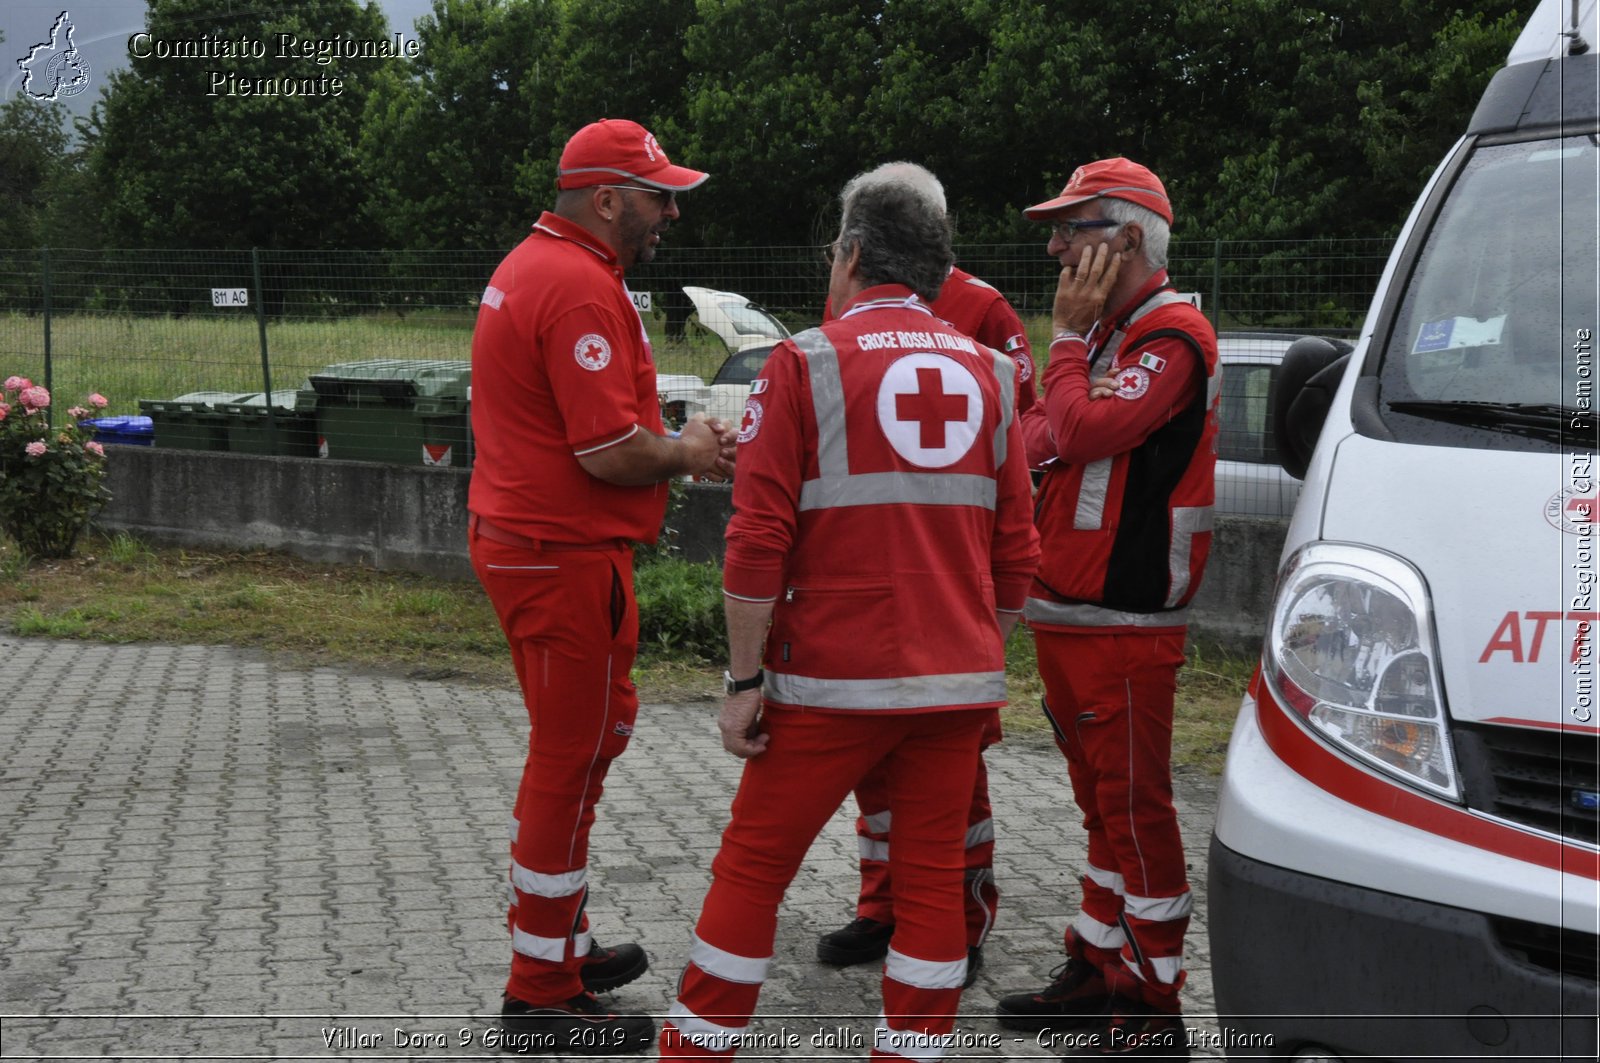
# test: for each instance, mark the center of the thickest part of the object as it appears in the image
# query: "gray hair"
(895, 215)
(1156, 230)
(906, 173)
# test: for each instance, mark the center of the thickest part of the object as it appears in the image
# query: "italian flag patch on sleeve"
(1152, 362)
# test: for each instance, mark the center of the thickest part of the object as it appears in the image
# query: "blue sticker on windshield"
(1455, 332)
(1435, 336)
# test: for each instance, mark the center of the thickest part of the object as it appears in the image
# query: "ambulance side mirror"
(1302, 394)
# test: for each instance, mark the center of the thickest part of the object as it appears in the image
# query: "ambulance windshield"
(1495, 335)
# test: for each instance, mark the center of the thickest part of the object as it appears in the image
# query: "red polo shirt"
(561, 367)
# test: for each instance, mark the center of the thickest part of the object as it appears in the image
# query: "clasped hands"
(712, 445)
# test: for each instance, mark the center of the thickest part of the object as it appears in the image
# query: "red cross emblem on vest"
(931, 407)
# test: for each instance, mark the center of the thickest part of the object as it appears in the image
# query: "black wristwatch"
(731, 685)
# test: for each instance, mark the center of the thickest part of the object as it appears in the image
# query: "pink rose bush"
(52, 476)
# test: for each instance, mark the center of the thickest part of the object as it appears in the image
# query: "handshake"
(709, 445)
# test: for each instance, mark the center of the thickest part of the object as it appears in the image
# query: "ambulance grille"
(1542, 779)
(1569, 952)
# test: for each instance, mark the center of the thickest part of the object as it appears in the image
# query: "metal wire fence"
(144, 326)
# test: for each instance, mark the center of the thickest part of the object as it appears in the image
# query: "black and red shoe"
(577, 1027)
(1077, 998)
(1135, 1030)
(605, 969)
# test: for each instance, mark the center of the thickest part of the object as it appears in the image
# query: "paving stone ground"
(209, 853)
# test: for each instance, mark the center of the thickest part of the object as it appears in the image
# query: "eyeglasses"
(1069, 229)
(827, 251)
(663, 196)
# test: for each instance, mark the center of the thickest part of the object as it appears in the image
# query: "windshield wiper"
(1538, 420)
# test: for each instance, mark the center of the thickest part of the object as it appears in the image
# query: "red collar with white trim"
(554, 225)
(1157, 281)
(883, 296)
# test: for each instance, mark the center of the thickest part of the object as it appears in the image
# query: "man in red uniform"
(882, 526)
(570, 471)
(1126, 434)
(976, 309)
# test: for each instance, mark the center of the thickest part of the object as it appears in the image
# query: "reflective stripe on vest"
(890, 692)
(836, 487)
(1091, 512)
(1087, 614)
(1005, 374)
(1187, 522)
(1092, 489)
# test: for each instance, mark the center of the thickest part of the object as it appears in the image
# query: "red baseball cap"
(615, 150)
(1117, 178)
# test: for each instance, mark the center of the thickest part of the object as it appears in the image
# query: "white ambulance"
(1405, 860)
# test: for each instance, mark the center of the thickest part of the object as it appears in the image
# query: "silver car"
(1250, 482)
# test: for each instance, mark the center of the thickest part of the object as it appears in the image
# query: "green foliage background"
(1268, 119)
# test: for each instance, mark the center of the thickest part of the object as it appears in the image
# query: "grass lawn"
(120, 590)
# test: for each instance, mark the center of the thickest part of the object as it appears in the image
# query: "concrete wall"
(413, 518)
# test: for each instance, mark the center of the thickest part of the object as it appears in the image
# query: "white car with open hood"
(748, 332)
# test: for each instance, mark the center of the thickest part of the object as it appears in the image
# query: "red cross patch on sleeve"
(1132, 382)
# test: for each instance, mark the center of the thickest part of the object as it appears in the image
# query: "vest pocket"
(835, 628)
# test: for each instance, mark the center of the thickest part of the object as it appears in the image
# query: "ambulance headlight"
(1352, 653)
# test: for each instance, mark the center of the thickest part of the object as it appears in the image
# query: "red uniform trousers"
(1110, 700)
(928, 761)
(570, 619)
(981, 897)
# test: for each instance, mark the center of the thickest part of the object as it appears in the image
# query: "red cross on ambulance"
(930, 409)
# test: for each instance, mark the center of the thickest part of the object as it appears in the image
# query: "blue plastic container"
(130, 431)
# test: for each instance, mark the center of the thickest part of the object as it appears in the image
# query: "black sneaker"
(605, 968)
(580, 1027)
(862, 941)
(974, 965)
(1076, 999)
(1135, 1030)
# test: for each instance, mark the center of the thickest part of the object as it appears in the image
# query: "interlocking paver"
(222, 854)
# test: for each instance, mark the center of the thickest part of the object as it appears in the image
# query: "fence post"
(49, 368)
(266, 361)
(1216, 285)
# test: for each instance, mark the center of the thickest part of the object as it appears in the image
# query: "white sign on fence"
(641, 301)
(230, 297)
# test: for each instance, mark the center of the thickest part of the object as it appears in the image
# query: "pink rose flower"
(77, 413)
(17, 383)
(95, 448)
(4, 409)
(36, 449)
(34, 398)
(99, 401)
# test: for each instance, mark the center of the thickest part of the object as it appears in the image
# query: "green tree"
(33, 162)
(1000, 99)
(184, 167)
(775, 107)
(1287, 121)
(447, 135)
(610, 59)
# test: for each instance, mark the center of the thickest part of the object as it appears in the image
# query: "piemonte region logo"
(55, 69)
